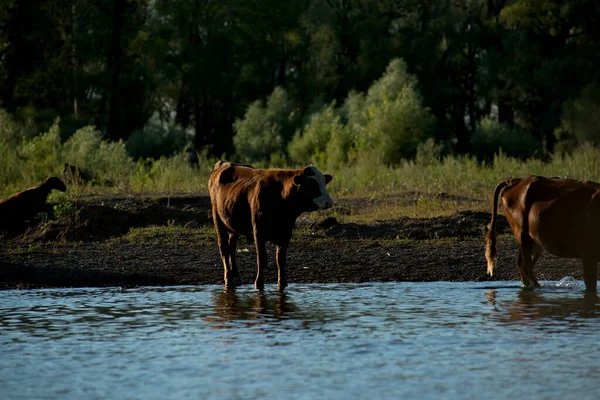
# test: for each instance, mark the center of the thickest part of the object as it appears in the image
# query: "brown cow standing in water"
(559, 215)
(19, 207)
(262, 204)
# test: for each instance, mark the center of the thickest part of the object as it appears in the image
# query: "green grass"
(419, 207)
(170, 235)
(463, 177)
(425, 188)
(27, 251)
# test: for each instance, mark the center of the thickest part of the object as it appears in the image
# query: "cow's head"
(54, 183)
(311, 183)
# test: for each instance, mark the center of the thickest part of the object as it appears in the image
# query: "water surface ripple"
(332, 341)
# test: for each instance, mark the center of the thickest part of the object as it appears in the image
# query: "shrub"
(394, 81)
(396, 127)
(281, 111)
(354, 115)
(390, 121)
(40, 156)
(322, 134)
(428, 153)
(256, 136)
(166, 174)
(339, 147)
(264, 130)
(104, 161)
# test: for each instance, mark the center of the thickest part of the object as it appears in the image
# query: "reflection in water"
(254, 308)
(532, 305)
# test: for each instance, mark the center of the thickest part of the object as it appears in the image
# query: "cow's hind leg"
(235, 272)
(588, 242)
(589, 274)
(261, 260)
(521, 264)
(224, 249)
(528, 254)
(281, 263)
(536, 252)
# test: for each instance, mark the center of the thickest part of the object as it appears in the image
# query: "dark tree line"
(198, 64)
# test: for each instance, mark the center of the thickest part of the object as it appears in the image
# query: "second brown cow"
(561, 216)
(262, 204)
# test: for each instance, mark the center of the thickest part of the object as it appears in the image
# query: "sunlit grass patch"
(407, 205)
(27, 251)
(170, 235)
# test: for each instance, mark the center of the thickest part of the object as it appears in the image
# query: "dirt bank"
(91, 247)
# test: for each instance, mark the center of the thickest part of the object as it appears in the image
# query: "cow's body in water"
(561, 216)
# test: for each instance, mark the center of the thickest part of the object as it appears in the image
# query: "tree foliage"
(389, 122)
(136, 68)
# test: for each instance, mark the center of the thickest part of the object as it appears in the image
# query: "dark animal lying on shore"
(561, 216)
(73, 175)
(262, 204)
(25, 205)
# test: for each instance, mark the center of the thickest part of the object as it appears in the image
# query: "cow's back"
(232, 187)
(20, 207)
(552, 209)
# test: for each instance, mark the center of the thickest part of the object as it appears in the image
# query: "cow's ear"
(298, 179)
(308, 171)
(328, 178)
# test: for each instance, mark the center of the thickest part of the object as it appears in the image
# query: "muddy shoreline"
(90, 249)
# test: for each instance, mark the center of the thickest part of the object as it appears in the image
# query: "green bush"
(388, 123)
(27, 160)
(339, 147)
(396, 127)
(265, 129)
(353, 111)
(394, 81)
(165, 174)
(40, 156)
(256, 137)
(105, 162)
(324, 133)
(64, 209)
(428, 153)
(281, 111)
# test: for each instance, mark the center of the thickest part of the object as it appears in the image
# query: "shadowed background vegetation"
(420, 95)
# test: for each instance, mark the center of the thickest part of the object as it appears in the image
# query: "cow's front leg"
(261, 261)
(281, 272)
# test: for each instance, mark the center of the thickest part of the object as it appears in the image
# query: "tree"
(554, 55)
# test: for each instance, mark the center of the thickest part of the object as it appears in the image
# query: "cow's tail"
(490, 239)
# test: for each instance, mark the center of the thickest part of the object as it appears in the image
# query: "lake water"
(439, 340)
